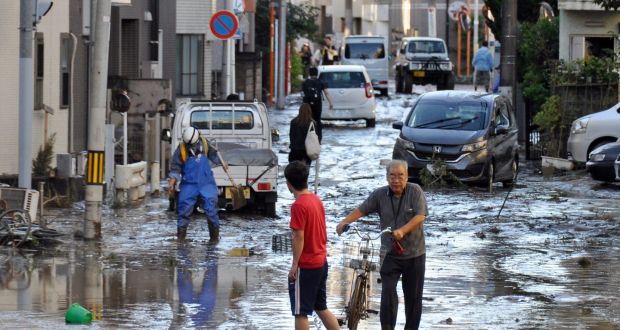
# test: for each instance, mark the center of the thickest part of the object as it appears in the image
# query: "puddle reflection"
(194, 287)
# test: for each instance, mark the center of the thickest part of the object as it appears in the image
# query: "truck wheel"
(370, 122)
(270, 209)
(408, 83)
(450, 82)
(384, 92)
(398, 79)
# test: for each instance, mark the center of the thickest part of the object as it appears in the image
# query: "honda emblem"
(436, 149)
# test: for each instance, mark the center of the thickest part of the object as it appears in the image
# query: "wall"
(9, 87)
(193, 18)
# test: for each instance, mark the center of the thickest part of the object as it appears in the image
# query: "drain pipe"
(42, 221)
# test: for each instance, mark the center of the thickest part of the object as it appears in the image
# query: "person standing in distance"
(401, 206)
(307, 278)
(329, 54)
(190, 166)
(483, 64)
(313, 89)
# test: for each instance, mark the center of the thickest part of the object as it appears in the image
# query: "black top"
(298, 134)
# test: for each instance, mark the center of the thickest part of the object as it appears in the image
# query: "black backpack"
(312, 91)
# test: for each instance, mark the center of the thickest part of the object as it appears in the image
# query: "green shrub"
(41, 165)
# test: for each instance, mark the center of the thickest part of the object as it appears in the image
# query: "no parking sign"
(224, 24)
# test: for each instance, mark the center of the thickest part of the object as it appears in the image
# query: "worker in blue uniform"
(190, 166)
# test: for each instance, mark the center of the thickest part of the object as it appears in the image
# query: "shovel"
(236, 191)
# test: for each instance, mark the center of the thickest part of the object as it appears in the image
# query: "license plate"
(419, 73)
(228, 193)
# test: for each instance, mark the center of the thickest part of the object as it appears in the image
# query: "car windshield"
(364, 50)
(442, 114)
(425, 46)
(222, 119)
(343, 79)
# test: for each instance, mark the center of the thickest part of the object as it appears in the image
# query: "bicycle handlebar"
(387, 230)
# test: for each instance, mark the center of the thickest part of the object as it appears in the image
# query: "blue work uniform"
(196, 180)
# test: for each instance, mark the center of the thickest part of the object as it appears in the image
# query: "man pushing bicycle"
(401, 206)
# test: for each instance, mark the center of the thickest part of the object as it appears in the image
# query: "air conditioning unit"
(19, 198)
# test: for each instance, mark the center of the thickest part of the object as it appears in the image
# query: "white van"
(369, 51)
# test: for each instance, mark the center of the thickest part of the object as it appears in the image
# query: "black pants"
(412, 271)
(299, 154)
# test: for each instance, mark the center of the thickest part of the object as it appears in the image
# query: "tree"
(608, 4)
(527, 11)
(300, 22)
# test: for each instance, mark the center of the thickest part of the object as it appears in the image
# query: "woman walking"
(297, 134)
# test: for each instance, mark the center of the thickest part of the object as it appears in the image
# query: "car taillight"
(264, 186)
(368, 90)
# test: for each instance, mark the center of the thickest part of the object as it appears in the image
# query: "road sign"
(224, 24)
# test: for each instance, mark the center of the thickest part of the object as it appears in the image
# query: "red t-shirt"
(308, 215)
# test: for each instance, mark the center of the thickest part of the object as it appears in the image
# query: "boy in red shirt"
(308, 275)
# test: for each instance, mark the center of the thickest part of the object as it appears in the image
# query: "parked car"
(592, 131)
(368, 51)
(351, 91)
(475, 134)
(422, 60)
(600, 164)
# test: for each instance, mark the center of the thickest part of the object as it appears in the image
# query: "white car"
(351, 91)
(592, 131)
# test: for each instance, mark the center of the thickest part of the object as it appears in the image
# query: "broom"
(236, 191)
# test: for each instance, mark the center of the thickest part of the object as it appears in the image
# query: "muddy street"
(548, 261)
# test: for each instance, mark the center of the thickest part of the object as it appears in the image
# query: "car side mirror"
(275, 134)
(166, 135)
(397, 125)
(501, 130)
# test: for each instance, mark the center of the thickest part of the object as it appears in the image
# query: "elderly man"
(401, 206)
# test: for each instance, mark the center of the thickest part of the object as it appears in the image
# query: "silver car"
(592, 131)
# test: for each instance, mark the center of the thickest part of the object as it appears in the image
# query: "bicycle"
(357, 308)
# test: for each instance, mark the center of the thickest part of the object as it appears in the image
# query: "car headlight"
(474, 146)
(405, 143)
(579, 126)
(445, 66)
(415, 66)
(597, 157)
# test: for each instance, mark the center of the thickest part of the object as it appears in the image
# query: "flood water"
(549, 261)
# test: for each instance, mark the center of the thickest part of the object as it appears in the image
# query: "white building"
(51, 56)
(586, 28)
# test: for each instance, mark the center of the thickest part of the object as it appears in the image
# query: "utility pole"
(509, 50)
(348, 17)
(26, 93)
(281, 54)
(96, 120)
(476, 25)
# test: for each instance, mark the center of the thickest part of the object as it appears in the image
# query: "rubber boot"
(181, 233)
(214, 231)
(172, 204)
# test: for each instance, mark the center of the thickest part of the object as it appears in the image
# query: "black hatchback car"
(475, 134)
(601, 162)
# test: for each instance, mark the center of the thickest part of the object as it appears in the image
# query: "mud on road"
(550, 260)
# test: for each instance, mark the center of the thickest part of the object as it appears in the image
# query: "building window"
(190, 50)
(65, 70)
(38, 71)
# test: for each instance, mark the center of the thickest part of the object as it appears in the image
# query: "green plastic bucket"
(76, 314)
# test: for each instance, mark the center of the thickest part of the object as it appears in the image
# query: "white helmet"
(190, 135)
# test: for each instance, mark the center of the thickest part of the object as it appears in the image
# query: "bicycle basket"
(356, 253)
